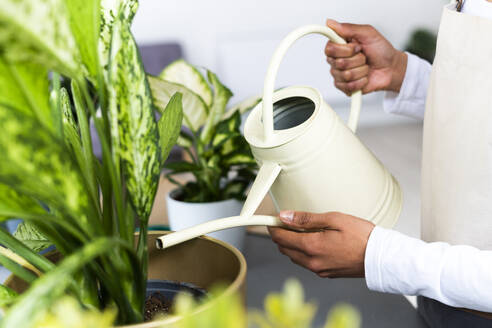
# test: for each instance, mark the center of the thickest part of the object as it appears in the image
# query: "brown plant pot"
(202, 262)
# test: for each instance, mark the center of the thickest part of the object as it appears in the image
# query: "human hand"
(337, 249)
(368, 62)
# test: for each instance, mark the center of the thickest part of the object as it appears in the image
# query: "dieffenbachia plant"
(220, 159)
(49, 177)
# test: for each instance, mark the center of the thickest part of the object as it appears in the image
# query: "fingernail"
(287, 216)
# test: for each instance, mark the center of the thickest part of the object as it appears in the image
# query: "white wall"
(236, 38)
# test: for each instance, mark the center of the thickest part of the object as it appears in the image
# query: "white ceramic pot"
(184, 215)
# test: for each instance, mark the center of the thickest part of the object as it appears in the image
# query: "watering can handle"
(275, 64)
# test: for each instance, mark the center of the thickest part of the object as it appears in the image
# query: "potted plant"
(219, 159)
(50, 178)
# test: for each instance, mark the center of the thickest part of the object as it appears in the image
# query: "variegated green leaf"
(12, 202)
(110, 9)
(194, 108)
(182, 166)
(70, 128)
(185, 140)
(25, 87)
(227, 129)
(84, 20)
(170, 125)
(7, 296)
(31, 237)
(221, 97)
(242, 107)
(39, 31)
(36, 164)
(238, 159)
(133, 126)
(181, 72)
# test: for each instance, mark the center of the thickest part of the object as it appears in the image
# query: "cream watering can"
(309, 159)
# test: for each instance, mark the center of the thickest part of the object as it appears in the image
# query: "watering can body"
(319, 165)
(309, 159)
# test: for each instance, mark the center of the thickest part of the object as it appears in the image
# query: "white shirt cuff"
(458, 275)
(410, 101)
(372, 261)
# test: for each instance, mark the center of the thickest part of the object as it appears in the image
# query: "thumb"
(308, 221)
(350, 31)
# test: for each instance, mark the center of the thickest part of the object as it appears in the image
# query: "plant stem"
(108, 163)
(56, 111)
(87, 148)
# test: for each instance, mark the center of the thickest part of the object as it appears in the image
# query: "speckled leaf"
(133, 127)
(170, 125)
(221, 97)
(110, 9)
(84, 18)
(194, 108)
(27, 233)
(70, 129)
(34, 163)
(25, 87)
(39, 31)
(182, 73)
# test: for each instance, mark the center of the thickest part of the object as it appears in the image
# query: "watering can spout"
(265, 178)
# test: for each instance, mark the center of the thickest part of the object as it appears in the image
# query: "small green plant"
(423, 44)
(49, 176)
(220, 159)
(68, 313)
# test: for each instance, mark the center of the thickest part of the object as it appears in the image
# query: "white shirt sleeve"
(459, 276)
(410, 101)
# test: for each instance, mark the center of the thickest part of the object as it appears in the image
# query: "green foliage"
(67, 313)
(224, 311)
(343, 316)
(282, 310)
(220, 158)
(134, 133)
(423, 44)
(31, 237)
(168, 131)
(48, 288)
(7, 296)
(39, 31)
(49, 176)
(287, 309)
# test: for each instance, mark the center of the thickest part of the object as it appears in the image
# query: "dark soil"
(156, 303)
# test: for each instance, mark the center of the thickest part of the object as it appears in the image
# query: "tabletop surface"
(268, 270)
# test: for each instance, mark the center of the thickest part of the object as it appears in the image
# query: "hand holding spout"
(336, 248)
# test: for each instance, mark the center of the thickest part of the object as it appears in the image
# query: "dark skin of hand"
(337, 247)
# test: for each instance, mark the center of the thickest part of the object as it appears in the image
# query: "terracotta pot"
(203, 262)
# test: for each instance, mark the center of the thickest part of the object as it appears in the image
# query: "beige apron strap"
(459, 5)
